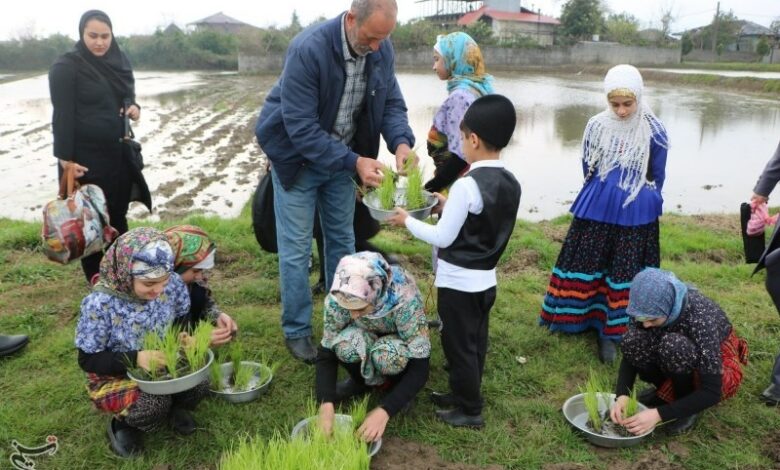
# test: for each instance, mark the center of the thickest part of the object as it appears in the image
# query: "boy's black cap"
(492, 118)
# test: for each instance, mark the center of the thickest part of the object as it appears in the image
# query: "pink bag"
(76, 224)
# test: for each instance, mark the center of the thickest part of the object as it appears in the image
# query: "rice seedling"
(169, 345)
(633, 405)
(242, 376)
(196, 349)
(216, 376)
(414, 184)
(592, 394)
(386, 190)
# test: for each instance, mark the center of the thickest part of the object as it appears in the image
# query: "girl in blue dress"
(614, 234)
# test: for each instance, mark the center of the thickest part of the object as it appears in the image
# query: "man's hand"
(369, 171)
(402, 153)
(374, 425)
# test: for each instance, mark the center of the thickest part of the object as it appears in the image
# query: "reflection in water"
(720, 141)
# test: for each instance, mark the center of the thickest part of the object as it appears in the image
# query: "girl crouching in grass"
(138, 292)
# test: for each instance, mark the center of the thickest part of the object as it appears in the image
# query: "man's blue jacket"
(296, 120)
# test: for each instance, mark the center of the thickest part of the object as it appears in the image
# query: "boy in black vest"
(471, 235)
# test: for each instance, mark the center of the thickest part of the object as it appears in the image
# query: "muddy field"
(197, 132)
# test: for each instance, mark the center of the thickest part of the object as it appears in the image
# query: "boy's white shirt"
(464, 198)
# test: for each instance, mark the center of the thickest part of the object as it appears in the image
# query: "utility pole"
(538, 21)
(715, 29)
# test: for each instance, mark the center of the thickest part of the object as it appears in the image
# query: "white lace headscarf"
(610, 142)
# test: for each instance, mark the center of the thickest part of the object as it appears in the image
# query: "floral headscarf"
(464, 61)
(368, 277)
(191, 246)
(656, 293)
(140, 251)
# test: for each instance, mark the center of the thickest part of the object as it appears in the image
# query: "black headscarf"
(114, 65)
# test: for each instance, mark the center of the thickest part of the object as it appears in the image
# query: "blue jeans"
(333, 196)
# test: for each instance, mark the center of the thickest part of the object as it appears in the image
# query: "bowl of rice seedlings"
(186, 363)
(238, 380)
(418, 202)
(344, 427)
(588, 412)
(308, 448)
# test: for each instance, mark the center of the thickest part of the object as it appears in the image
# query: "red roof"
(523, 17)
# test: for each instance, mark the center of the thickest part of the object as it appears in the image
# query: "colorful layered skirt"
(591, 280)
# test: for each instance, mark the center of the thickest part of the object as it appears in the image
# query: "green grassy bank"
(43, 391)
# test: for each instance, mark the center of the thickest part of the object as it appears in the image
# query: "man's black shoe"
(649, 398)
(444, 400)
(182, 421)
(126, 441)
(302, 349)
(11, 344)
(348, 388)
(456, 417)
(607, 351)
(771, 396)
(681, 425)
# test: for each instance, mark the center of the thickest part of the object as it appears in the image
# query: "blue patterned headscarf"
(656, 293)
(464, 61)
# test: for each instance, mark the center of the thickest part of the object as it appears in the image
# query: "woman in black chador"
(90, 88)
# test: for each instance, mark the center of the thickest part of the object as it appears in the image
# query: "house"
(222, 23)
(508, 24)
(506, 18)
(656, 36)
(748, 36)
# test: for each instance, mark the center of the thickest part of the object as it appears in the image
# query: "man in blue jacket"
(320, 125)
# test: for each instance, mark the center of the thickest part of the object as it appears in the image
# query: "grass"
(43, 387)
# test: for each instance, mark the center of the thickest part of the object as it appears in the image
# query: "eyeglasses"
(642, 319)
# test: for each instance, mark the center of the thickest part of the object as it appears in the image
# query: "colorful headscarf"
(656, 293)
(610, 142)
(142, 252)
(464, 61)
(367, 277)
(191, 247)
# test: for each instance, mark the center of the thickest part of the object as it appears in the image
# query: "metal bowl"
(577, 415)
(341, 420)
(256, 388)
(177, 385)
(371, 200)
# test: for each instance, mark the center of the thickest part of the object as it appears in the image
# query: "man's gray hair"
(362, 9)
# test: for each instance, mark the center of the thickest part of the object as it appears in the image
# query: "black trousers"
(464, 339)
(773, 287)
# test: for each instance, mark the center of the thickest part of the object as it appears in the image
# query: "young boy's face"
(149, 289)
(191, 275)
(468, 146)
(440, 67)
(623, 106)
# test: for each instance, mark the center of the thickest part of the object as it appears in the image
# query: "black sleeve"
(412, 381)
(707, 395)
(107, 362)
(446, 174)
(327, 370)
(62, 89)
(626, 378)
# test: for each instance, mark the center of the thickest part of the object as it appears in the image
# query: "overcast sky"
(44, 17)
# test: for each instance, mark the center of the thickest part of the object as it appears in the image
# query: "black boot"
(11, 344)
(349, 388)
(182, 421)
(126, 441)
(444, 400)
(457, 418)
(682, 425)
(607, 350)
(649, 398)
(302, 349)
(771, 395)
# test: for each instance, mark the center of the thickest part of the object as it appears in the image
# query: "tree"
(623, 28)
(686, 44)
(762, 48)
(775, 26)
(295, 24)
(667, 18)
(481, 32)
(581, 19)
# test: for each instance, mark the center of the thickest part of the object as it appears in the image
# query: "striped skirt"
(590, 282)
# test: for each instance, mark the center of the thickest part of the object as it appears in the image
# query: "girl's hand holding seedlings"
(326, 417)
(185, 339)
(440, 205)
(642, 422)
(225, 331)
(399, 217)
(374, 425)
(618, 410)
(144, 359)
